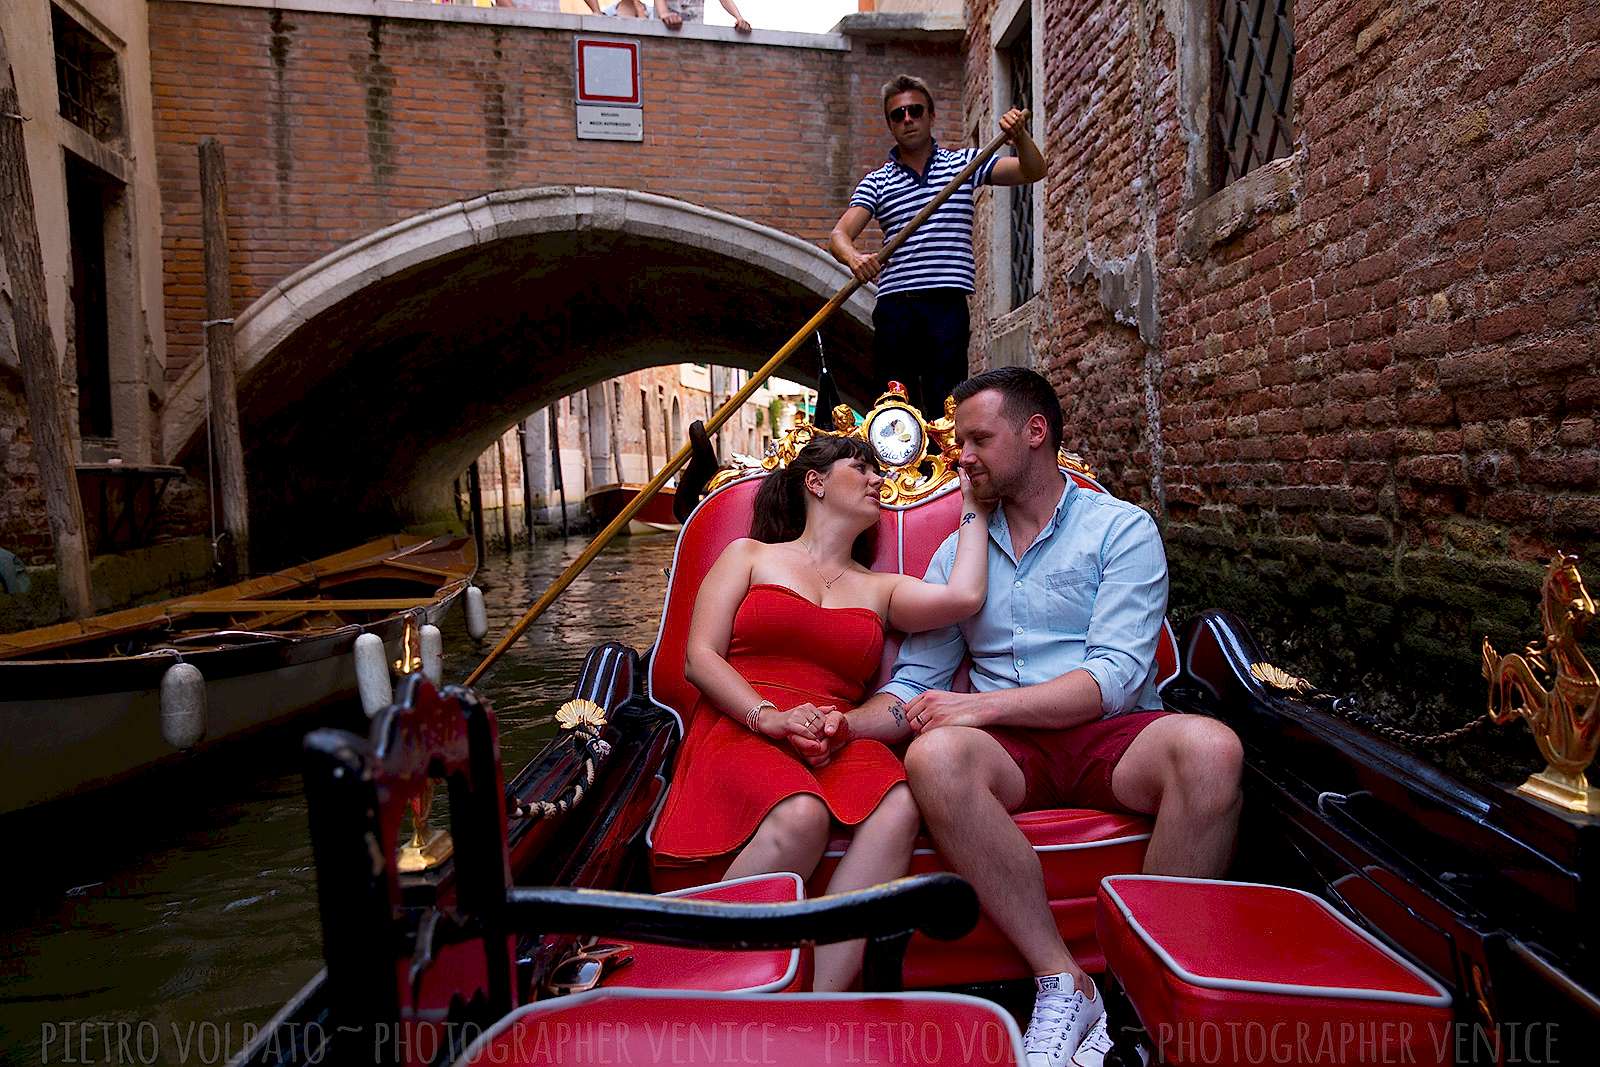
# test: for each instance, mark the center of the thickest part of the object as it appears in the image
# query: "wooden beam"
(220, 358)
(41, 372)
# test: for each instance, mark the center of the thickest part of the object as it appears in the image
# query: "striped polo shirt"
(939, 254)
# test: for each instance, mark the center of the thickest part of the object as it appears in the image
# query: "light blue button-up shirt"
(1089, 594)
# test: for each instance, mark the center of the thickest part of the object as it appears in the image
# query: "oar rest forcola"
(1077, 847)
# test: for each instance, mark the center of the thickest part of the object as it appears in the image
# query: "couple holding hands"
(1057, 595)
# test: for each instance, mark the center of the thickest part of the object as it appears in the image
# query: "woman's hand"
(802, 720)
(970, 502)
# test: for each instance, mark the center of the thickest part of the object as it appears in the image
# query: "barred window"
(1254, 86)
(1019, 61)
(88, 86)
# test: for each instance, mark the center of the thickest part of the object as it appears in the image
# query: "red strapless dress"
(791, 651)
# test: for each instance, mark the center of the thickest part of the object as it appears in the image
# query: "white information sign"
(606, 89)
(610, 123)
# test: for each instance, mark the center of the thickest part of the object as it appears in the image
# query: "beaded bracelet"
(753, 716)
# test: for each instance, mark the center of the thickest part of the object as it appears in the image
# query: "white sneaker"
(1096, 1043)
(1062, 1018)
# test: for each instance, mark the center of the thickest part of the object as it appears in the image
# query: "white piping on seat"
(1071, 846)
(793, 969)
(1390, 996)
(558, 1004)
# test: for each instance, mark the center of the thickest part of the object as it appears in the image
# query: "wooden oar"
(734, 403)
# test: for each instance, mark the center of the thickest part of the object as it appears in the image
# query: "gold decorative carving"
(583, 715)
(1267, 674)
(428, 847)
(1553, 686)
(924, 476)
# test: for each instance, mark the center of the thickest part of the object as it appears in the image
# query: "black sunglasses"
(899, 113)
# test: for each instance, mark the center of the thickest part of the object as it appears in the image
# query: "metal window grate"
(1255, 58)
(1019, 57)
(88, 87)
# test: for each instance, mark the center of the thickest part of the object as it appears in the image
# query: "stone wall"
(1359, 386)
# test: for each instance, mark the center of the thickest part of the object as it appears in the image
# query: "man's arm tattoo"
(898, 712)
(968, 517)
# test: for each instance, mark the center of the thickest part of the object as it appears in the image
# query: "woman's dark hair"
(780, 507)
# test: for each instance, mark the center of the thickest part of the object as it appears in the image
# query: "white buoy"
(372, 674)
(477, 614)
(183, 705)
(432, 654)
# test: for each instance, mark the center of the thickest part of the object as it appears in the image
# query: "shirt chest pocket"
(1067, 599)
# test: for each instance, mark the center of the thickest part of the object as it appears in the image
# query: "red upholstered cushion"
(1210, 965)
(650, 1026)
(724, 970)
(1076, 848)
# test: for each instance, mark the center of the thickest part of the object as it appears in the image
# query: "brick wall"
(1364, 396)
(338, 125)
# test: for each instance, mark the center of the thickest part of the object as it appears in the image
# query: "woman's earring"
(819, 494)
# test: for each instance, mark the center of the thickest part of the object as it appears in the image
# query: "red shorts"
(1072, 768)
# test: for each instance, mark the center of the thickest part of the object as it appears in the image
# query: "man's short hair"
(906, 83)
(1025, 393)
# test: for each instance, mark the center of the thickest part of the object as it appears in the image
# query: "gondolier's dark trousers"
(920, 338)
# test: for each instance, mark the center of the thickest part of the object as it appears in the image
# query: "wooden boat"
(81, 702)
(1383, 912)
(606, 502)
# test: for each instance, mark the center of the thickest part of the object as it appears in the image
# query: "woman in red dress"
(786, 636)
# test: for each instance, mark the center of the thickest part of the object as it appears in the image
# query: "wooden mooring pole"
(505, 493)
(41, 373)
(220, 359)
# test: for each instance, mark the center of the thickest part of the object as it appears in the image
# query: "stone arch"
(450, 325)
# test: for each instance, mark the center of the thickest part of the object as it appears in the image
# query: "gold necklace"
(827, 583)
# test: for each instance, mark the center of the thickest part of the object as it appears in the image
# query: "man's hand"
(741, 26)
(671, 19)
(1012, 122)
(936, 708)
(865, 268)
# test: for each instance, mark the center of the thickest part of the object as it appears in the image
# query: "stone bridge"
(423, 252)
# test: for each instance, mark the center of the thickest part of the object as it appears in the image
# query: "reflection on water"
(158, 922)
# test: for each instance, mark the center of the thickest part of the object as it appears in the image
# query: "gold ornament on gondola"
(918, 457)
(1553, 686)
(583, 715)
(1278, 678)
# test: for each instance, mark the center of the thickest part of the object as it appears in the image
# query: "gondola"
(605, 502)
(87, 703)
(1380, 911)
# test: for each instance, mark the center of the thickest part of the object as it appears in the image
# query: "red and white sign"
(607, 71)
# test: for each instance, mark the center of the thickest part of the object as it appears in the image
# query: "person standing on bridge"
(921, 326)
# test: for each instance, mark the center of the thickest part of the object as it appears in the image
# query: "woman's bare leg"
(791, 838)
(879, 852)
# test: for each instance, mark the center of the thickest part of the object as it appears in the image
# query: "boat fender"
(432, 654)
(372, 674)
(477, 614)
(183, 705)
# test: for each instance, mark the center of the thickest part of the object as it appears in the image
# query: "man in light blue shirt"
(1063, 710)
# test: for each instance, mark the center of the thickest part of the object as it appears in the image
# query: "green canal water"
(161, 921)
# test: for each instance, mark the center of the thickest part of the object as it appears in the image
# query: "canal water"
(161, 921)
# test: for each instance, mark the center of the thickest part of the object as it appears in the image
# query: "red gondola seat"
(775, 970)
(1076, 847)
(1238, 972)
(654, 1026)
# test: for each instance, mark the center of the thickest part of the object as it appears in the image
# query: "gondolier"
(920, 325)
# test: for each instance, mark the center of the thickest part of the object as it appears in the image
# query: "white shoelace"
(1053, 1018)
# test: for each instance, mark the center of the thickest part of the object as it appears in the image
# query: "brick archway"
(374, 375)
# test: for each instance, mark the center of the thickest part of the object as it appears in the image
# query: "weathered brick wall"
(337, 125)
(1368, 399)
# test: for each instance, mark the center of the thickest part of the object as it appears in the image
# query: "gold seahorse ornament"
(1553, 686)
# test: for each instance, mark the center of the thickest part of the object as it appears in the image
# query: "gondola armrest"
(940, 905)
